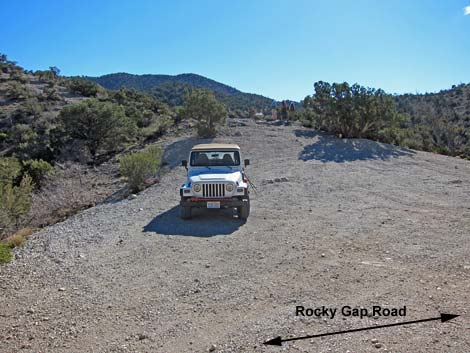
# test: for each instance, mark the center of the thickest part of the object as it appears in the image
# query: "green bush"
(295, 115)
(22, 134)
(5, 253)
(45, 75)
(51, 94)
(32, 107)
(15, 202)
(37, 170)
(18, 76)
(137, 167)
(24, 140)
(10, 170)
(99, 125)
(352, 111)
(85, 87)
(18, 91)
(141, 108)
(157, 128)
(202, 105)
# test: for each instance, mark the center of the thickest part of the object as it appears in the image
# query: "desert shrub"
(157, 128)
(5, 253)
(37, 170)
(32, 107)
(237, 113)
(352, 111)
(18, 91)
(23, 138)
(141, 108)
(45, 75)
(15, 240)
(55, 70)
(139, 166)
(8, 66)
(19, 238)
(32, 143)
(19, 116)
(10, 170)
(24, 232)
(99, 125)
(84, 87)
(202, 105)
(18, 76)
(205, 131)
(296, 115)
(395, 135)
(172, 93)
(51, 94)
(15, 202)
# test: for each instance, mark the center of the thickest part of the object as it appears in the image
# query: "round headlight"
(197, 187)
(229, 187)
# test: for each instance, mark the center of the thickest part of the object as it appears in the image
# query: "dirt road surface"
(353, 223)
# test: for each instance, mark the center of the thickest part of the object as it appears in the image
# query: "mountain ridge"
(175, 86)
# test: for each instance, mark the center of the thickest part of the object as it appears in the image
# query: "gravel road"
(353, 223)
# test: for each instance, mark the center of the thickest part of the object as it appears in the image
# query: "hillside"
(335, 222)
(441, 120)
(48, 124)
(171, 89)
(452, 104)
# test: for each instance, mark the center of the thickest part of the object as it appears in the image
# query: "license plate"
(213, 204)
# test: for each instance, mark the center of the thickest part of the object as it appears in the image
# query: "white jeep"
(215, 180)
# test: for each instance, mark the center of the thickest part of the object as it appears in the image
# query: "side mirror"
(247, 162)
(184, 163)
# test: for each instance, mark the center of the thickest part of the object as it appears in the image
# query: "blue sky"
(275, 48)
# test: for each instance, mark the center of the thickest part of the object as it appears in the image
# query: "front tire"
(185, 212)
(244, 210)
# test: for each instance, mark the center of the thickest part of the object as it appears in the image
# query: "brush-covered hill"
(171, 89)
(452, 104)
(443, 116)
(61, 139)
(31, 103)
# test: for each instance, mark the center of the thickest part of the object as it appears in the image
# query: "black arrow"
(277, 341)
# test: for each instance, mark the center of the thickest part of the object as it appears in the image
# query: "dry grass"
(71, 189)
(13, 241)
(19, 238)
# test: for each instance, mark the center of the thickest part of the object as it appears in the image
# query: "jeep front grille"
(213, 190)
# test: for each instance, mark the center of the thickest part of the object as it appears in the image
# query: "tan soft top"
(215, 147)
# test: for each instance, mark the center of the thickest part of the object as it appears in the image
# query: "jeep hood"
(214, 176)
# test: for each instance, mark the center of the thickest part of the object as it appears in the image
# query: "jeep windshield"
(215, 158)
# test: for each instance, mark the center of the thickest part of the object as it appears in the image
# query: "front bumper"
(202, 202)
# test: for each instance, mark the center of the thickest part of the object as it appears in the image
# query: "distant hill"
(171, 89)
